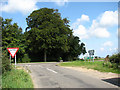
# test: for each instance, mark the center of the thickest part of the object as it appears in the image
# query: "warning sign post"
(12, 52)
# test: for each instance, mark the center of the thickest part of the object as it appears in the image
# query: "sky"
(95, 23)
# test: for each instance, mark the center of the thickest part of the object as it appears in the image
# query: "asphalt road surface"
(48, 75)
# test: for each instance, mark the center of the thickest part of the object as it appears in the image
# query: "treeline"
(48, 37)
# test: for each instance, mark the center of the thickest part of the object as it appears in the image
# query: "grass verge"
(97, 65)
(16, 79)
(38, 62)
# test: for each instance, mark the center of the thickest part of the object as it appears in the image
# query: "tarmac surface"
(49, 75)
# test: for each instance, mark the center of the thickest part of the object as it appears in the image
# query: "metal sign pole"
(10, 59)
(90, 57)
(15, 61)
(93, 58)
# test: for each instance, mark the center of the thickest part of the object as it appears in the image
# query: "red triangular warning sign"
(12, 51)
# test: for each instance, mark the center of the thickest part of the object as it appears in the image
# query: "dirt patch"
(95, 73)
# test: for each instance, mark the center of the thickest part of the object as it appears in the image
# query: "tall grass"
(16, 79)
(97, 65)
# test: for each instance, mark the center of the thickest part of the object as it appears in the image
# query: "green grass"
(16, 79)
(100, 59)
(97, 65)
(39, 62)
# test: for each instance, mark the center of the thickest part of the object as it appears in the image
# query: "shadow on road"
(115, 81)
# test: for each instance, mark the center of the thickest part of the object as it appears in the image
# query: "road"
(48, 75)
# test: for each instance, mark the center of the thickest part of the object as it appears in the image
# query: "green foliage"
(99, 59)
(50, 34)
(97, 65)
(5, 63)
(60, 58)
(114, 61)
(75, 49)
(47, 30)
(47, 35)
(16, 79)
(25, 58)
(115, 58)
(12, 37)
(111, 65)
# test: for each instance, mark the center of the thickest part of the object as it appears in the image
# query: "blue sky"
(95, 23)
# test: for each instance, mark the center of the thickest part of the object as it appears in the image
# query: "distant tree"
(47, 31)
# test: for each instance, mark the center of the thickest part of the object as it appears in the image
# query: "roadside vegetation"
(99, 59)
(16, 79)
(97, 65)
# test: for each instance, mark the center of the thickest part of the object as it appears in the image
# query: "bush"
(114, 61)
(26, 58)
(5, 63)
(82, 60)
(115, 58)
(111, 65)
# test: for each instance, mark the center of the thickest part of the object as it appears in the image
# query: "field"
(16, 79)
(97, 65)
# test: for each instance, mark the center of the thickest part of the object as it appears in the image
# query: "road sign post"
(15, 61)
(10, 59)
(13, 52)
(91, 53)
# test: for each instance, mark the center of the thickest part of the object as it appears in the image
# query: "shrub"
(114, 61)
(81, 60)
(26, 58)
(115, 58)
(5, 63)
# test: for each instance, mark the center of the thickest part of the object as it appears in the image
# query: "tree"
(47, 31)
(12, 36)
(76, 48)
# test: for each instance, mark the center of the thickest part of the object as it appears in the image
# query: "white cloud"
(113, 50)
(79, 21)
(108, 44)
(100, 32)
(84, 18)
(81, 32)
(116, 49)
(100, 25)
(109, 18)
(110, 49)
(102, 49)
(24, 6)
(60, 2)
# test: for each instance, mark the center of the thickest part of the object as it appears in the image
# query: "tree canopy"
(48, 36)
(47, 31)
(12, 36)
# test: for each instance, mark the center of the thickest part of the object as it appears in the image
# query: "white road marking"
(51, 70)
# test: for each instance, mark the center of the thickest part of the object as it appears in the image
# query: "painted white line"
(51, 70)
